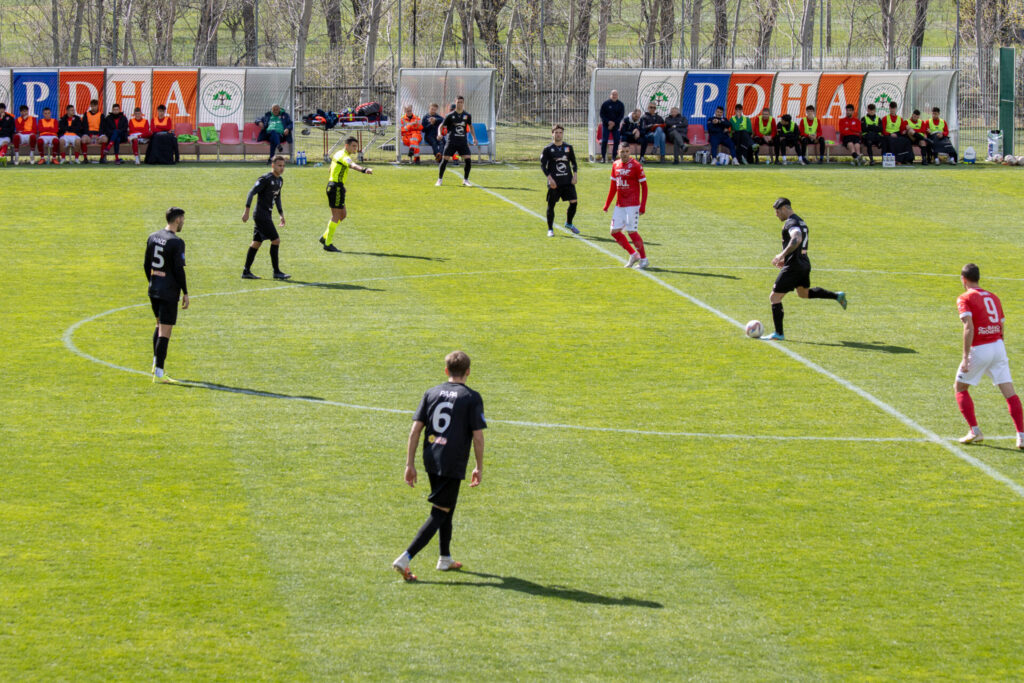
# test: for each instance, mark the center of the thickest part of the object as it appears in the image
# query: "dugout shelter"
(420, 87)
(698, 93)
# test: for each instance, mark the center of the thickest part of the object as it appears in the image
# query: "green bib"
(809, 130)
(740, 123)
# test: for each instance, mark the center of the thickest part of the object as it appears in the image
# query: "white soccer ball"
(997, 158)
(1009, 160)
(1020, 160)
(754, 329)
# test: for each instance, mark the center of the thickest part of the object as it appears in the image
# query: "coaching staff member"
(453, 416)
(165, 269)
(612, 112)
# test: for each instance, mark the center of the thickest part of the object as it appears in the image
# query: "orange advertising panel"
(79, 88)
(835, 91)
(752, 90)
(177, 91)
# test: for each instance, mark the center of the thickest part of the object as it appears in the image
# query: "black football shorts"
(791, 277)
(336, 195)
(165, 310)
(264, 230)
(458, 146)
(444, 491)
(566, 193)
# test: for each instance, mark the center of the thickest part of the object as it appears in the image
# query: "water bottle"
(995, 143)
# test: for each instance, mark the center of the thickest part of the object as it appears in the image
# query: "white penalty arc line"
(877, 402)
(69, 342)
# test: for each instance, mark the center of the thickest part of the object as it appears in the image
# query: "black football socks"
(274, 248)
(250, 257)
(819, 293)
(427, 531)
(570, 213)
(777, 317)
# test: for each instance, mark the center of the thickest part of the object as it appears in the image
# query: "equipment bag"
(371, 110)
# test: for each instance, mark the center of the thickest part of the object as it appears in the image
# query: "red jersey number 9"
(990, 307)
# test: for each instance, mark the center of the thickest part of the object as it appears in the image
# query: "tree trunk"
(735, 28)
(211, 13)
(720, 38)
(807, 35)
(888, 8)
(586, 8)
(128, 12)
(370, 65)
(828, 24)
(767, 12)
(649, 18)
(54, 32)
(115, 14)
(164, 21)
(984, 37)
(668, 31)
(445, 30)
(97, 41)
(698, 5)
(76, 33)
(466, 25)
(604, 17)
(332, 15)
(917, 34)
(300, 42)
(250, 33)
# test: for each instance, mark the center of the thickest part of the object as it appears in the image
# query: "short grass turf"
(161, 532)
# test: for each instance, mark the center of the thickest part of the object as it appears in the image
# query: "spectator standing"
(431, 123)
(612, 113)
(676, 126)
(275, 128)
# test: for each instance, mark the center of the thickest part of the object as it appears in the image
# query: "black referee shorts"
(566, 193)
(264, 230)
(165, 310)
(336, 195)
(791, 277)
(444, 491)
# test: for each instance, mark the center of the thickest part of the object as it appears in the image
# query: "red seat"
(185, 128)
(249, 142)
(230, 139)
(698, 136)
(831, 135)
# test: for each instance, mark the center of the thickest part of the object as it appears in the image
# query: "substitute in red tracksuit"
(849, 133)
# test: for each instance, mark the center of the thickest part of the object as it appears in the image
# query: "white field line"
(69, 343)
(877, 402)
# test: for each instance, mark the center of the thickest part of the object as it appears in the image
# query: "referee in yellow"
(340, 163)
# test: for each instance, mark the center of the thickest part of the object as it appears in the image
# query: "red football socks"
(623, 242)
(1016, 412)
(963, 400)
(638, 242)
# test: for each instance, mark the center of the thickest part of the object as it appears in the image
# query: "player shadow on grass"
(690, 272)
(334, 285)
(598, 238)
(385, 255)
(989, 444)
(185, 383)
(513, 583)
(864, 346)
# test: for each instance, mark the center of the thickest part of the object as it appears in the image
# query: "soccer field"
(662, 497)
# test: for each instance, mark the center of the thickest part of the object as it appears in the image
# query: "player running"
(267, 191)
(165, 269)
(796, 267)
(630, 183)
(459, 124)
(984, 353)
(340, 163)
(453, 416)
(558, 161)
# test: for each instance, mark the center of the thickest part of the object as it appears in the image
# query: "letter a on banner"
(177, 91)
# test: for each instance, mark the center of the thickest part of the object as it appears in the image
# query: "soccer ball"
(1009, 160)
(997, 158)
(754, 329)
(1020, 160)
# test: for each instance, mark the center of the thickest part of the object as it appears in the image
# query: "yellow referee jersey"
(340, 163)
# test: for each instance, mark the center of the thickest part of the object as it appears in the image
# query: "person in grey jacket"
(675, 130)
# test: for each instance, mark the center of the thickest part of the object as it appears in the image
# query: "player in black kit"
(267, 191)
(796, 267)
(165, 270)
(453, 416)
(459, 124)
(558, 161)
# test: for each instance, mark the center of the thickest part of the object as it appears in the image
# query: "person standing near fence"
(612, 112)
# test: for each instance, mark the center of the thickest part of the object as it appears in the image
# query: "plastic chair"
(230, 140)
(185, 128)
(205, 147)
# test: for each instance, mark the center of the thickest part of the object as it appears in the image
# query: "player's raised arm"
(410, 452)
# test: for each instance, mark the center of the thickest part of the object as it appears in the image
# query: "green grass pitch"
(684, 502)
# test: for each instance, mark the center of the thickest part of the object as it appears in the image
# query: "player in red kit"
(630, 183)
(984, 353)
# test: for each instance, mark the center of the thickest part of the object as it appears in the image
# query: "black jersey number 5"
(158, 256)
(442, 419)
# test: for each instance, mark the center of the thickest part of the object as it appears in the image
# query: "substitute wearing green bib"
(741, 135)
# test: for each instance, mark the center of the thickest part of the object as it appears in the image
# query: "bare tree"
(250, 33)
(445, 30)
(695, 15)
(97, 40)
(668, 29)
(917, 34)
(54, 29)
(766, 13)
(889, 8)
(371, 45)
(76, 35)
(211, 14)
(604, 17)
(165, 15)
(300, 41)
(807, 34)
(332, 16)
(720, 38)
